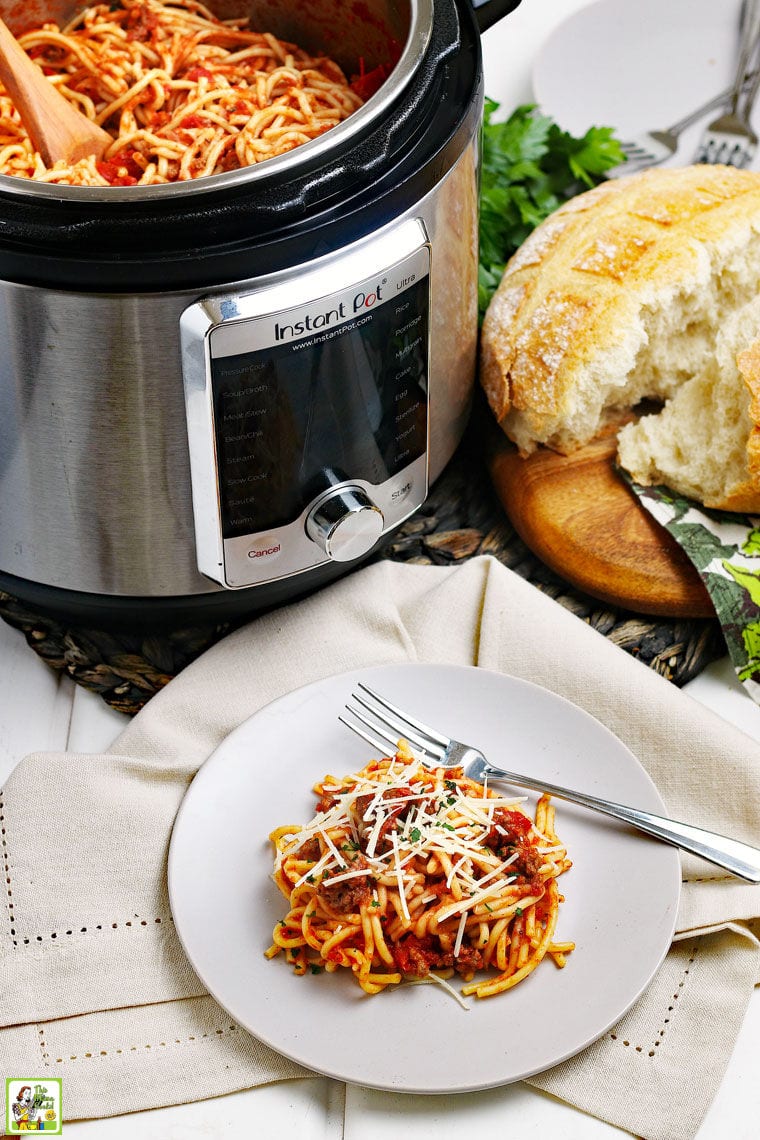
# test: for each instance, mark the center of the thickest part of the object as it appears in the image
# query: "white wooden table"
(39, 710)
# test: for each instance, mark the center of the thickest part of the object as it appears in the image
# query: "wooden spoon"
(57, 129)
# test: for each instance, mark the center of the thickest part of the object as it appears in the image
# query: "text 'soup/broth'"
(183, 94)
(410, 871)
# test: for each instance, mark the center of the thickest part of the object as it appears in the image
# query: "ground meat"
(509, 836)
(310, 849)
(349, 895)
(394, 816)
(141, 24)
(528, 862)
(509, 828)
(361, 803)
(416, 957)
(468, 959)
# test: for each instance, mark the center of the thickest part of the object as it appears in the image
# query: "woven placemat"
(461, 518)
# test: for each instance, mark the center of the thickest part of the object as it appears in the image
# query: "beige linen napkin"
(94, 986)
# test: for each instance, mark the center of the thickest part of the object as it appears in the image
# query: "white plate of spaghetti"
(536, 925)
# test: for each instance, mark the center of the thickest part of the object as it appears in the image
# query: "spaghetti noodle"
(183, 94)
(412, 871)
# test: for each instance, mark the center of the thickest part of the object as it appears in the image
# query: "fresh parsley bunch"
(530, 166)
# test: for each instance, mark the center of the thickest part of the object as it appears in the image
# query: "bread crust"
(567, 317)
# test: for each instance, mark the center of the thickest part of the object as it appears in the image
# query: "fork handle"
(717, 101)
(750, 92)
(739, 858)
(750, 28)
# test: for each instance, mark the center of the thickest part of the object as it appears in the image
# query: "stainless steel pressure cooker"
(217, 394)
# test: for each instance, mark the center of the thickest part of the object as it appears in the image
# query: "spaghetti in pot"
(412, 871)
(184, 94)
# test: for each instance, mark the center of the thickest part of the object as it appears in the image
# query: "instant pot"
(217, 394)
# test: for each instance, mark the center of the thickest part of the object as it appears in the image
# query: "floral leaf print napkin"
(725, 548)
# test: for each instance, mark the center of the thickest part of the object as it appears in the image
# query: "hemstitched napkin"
(94, 985)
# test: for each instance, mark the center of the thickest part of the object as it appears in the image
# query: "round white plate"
(621, 893)
(639, 66)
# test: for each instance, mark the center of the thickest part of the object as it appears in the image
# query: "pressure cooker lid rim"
(412, 54)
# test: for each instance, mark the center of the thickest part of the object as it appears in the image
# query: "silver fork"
(730, 138)
(654, 147)
(382, 724)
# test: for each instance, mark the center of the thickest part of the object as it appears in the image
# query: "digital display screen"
(294, 419)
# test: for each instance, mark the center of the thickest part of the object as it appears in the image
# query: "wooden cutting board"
(579, 517)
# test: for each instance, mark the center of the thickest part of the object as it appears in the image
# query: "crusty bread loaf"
(643, 289)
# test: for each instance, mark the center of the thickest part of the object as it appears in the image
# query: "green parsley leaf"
(415, 835)
(519, 912)
(316, 969)
(530, 166)
(375, 902)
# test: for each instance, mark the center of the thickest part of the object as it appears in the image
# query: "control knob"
(346, 524)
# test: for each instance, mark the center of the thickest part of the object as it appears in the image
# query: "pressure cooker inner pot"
(359, 35)
(374, 31)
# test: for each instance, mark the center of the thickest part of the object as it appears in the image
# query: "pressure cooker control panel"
(307, 408)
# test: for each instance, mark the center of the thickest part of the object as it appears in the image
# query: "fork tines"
(727, 149)
(371, 738)
(383, 724)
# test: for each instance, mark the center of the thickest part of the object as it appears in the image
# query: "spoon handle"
(732, 855)
(57, 129)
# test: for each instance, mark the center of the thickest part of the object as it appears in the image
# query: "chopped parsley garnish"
(530, 166)
(316, 969)
(415, 835)
(519, 912)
